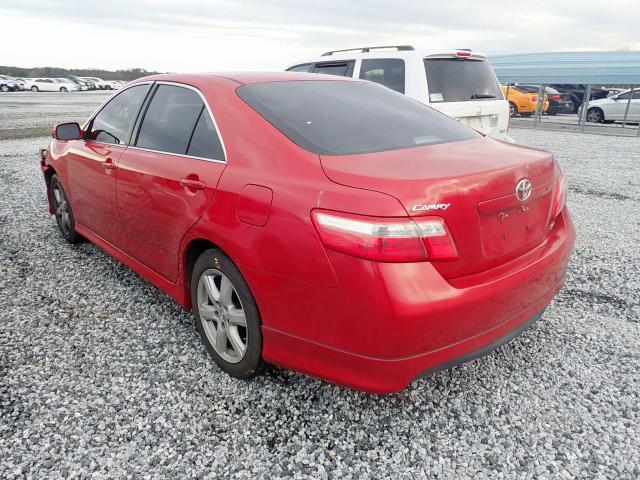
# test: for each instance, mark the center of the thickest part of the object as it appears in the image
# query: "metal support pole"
(538, 115)
(626, 110)
(585, 107)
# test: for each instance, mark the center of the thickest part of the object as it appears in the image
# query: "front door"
(618, 107)
(168, 177)
(92, 164)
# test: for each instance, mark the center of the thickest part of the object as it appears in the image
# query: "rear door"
(167, 178)
(616, 107)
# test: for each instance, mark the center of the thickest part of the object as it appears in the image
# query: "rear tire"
(575, 105)
(63, 212)
(63, 89)
(226, 313)
(34, 89)
(4, 88)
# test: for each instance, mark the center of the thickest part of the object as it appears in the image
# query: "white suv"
(459, 83)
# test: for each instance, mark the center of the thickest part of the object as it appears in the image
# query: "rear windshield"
(460, 80)
(345, 117)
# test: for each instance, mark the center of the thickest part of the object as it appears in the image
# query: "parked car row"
(72, 83)
(606, 104)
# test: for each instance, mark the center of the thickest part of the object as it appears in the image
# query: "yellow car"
(523, 99)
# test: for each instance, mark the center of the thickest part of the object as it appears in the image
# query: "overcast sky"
(215, 35)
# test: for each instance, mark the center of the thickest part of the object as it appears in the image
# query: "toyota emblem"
(523, 189)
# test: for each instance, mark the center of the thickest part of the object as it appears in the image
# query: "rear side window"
(460, 80)
(170, 119)
(347, 117)
(205, 141)
(300, 68)
(342, 69)
(385, 71)
(114, 122)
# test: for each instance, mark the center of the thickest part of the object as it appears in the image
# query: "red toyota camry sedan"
(328, 225)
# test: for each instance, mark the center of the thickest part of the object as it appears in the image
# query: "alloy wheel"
(222, 315)
(594, 115)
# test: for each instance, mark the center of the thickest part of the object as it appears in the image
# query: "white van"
(459, 83)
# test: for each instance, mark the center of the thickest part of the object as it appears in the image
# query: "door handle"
(194, 184)
(109, 165)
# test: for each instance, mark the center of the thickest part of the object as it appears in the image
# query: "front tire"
(4, 88)
(595, 115)
(34, 89)
(513, 110)
(226, 313)
(63, 89)
(64, 213)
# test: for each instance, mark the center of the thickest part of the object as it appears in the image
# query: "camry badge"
(433, 206)
(523, 189)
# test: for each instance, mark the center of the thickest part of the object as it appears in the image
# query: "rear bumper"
(388, 324)
(376, 375)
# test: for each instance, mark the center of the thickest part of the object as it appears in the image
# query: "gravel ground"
(103, 376)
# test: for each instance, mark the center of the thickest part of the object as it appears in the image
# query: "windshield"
(346, 117)
(461, 80)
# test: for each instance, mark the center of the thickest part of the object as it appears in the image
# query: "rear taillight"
(555, 97)
(463, 54)
(385, 239)
(534, 98)
(561, 196)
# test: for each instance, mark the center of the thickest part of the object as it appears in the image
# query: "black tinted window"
(300, 68)
(114, 122)
(205, 141)
(170, 119)
(386, 71)
(626, 95)
(341, 69)
(460, 80)
(344, 117)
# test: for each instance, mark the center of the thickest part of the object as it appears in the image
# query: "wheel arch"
(49, 172)
(196, 247)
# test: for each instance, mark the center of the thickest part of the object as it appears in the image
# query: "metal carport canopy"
(595, 68)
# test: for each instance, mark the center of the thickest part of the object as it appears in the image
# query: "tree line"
(55, 72)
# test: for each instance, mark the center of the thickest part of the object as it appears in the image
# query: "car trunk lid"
(472, 185)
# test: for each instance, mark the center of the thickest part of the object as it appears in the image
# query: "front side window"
(300, 68)
(342, 69)
(385, 71)
(350, 117)
(170, 119)
(460, 80)
(114, 122)
(626, 95)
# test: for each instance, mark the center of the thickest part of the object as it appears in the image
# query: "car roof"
(244, 78)
(390, 53)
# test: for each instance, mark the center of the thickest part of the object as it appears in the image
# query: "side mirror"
(67, 131)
